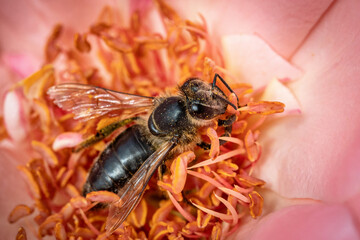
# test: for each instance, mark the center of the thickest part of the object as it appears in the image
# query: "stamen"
(218, 159)
(230, 208)
(263, 107)
(216, 214)
(181, 210)
(233, 140)
(235, 194)
(21, 234)
(19, 212)
(88, 223)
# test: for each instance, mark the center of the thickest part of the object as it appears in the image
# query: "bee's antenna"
(226, 85)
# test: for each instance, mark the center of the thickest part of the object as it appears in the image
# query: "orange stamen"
(215, 145)
(229, 207)
(263, 107)
(218, 159)
(19, 212)
(181, 210)
(235, 194)
(216, 214)
(21, 234)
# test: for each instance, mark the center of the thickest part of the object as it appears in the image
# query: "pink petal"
(284, 24)
(318, 221)
(67, 140)
(25, 25)
(277, 91)
(21, 64)
(354, 207)
(251, 60)
(6, 81)
(13, 194)
(317, 154)
(15, 116)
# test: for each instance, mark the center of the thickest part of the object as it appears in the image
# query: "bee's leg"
(103, 133)
(204, 145)
(227, 124)
(226, 85)
(161, 170)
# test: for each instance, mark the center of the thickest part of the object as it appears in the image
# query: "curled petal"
(66, 140)
(15, 116)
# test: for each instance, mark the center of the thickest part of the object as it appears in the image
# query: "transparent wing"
(88, 102)
(131, 193)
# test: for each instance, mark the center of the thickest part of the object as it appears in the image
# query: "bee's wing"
(88, 102)
(131, 193)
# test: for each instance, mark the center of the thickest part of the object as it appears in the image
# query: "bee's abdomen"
(119, 161)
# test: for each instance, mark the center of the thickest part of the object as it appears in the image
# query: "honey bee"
(164, 125)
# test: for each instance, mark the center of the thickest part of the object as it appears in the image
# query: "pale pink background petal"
(251, 60)
(317, 154)
(14, 188)
(284, 24)
(317, 221)
(25, 25)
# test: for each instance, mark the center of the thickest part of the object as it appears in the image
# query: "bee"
(163, 126)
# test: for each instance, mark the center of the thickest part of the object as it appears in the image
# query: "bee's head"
(203, 101)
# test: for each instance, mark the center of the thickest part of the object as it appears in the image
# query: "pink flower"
(310, 161)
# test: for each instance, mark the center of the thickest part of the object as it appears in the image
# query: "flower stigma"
(202, 194)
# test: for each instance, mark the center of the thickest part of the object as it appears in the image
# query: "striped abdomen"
(118, 162)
